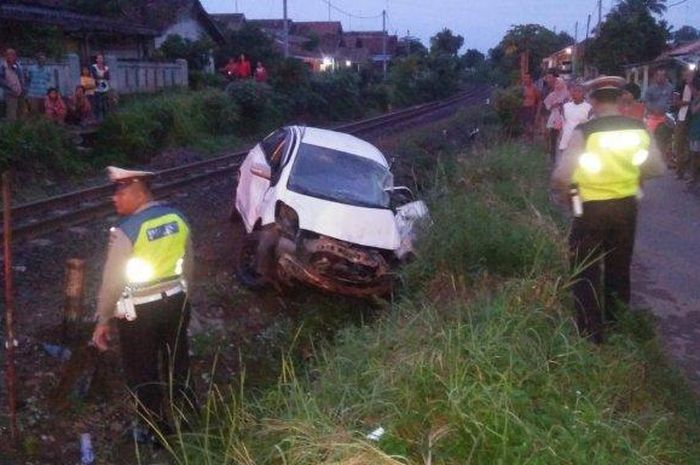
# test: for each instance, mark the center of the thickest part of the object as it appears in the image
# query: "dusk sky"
(481, 22)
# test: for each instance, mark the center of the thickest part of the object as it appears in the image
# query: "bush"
(39, 146)
(508, 103)
(254, 100)
(340, 92)
(142, 128)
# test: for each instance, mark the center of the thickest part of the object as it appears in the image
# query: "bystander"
(54, 107)
(13, 81)
(38, 79)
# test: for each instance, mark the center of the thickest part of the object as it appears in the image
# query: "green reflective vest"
(615, 148)
(159, 236)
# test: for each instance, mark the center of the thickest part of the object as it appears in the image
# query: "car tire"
(245, 263)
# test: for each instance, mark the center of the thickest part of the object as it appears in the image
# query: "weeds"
(478, 362)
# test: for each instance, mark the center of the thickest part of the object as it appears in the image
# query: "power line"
(347, 13)
(676, 4)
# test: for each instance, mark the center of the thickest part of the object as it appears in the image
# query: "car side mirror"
(262, 171)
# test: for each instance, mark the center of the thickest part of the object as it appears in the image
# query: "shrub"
(340, 91)
(508, 103)
(39, 146)
(141, 128)
(255, 102)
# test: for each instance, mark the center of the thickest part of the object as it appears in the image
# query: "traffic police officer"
(600, 174)
(144, 288)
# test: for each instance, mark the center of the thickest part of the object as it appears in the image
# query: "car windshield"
(342, 177)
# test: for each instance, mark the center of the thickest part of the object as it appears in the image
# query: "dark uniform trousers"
(155, 355)
(601, 243)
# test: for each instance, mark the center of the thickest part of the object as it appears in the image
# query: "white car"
(319, 207)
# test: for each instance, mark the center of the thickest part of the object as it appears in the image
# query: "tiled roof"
(320, 28)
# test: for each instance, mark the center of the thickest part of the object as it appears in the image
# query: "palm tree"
(657, 7)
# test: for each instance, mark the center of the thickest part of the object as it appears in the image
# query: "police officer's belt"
(159, 296)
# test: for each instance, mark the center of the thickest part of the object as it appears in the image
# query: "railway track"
(34, 219)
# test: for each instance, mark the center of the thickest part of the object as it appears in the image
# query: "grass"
(477, 361)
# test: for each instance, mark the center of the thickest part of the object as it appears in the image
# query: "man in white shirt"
(680, 133)
(575, 112)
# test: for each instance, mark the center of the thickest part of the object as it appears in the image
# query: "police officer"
(144, 289)
(599, 175)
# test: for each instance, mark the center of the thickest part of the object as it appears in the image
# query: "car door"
(252, 187)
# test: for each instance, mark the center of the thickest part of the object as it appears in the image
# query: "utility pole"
(286, 31)
(573, 51)
(329, 9)
(384, 43)
(236, 6)
(600, 17)
(585, 46)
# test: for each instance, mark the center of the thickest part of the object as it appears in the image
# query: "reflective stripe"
(159, 236)
(609, 167)
(159, 296)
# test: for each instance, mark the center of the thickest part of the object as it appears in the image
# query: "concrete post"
(72, 74)
(183, 78)
(112, 62)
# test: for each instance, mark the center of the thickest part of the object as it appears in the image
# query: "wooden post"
(73, 304)
(10, 341)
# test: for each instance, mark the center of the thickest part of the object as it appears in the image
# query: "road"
(665, 275)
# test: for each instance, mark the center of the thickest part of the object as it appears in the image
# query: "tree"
(538, 41)
(251, 41)
(196, 52)
(684, 35)
(472, 58)
(410, 46)
(630, 34)
(657, 7)
(446, 42)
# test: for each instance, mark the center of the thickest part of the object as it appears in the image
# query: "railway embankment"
(477, 359)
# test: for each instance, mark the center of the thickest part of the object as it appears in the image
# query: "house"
(374, 42)
(565, 59)
(675, 60)
(186, 18)
(82, 34)
(229, 21)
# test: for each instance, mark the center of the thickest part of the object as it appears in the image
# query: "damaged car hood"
(370, 227)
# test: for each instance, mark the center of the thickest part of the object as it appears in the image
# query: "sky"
(482, 23)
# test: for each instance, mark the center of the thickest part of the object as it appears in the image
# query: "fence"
(126, 76)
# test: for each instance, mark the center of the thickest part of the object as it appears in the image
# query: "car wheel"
(245, 266)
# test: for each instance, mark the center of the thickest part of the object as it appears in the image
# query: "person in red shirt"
(260, 73)
(54, 108)
(243, 69)
(231, 68)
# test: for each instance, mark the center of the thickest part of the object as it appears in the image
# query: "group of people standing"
(29, 91)
(565, 108)
(240, 69)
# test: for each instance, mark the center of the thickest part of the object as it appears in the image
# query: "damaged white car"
(319, 207)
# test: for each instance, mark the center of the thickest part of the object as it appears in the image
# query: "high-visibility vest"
(615, 148)
(159, 237)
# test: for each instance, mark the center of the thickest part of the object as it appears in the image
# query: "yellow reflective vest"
(159, 237)
(608, 168)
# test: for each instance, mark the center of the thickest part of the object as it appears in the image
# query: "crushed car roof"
(342, 142)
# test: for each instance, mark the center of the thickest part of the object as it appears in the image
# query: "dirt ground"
(231, 324)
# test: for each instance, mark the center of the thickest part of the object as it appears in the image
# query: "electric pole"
(286, 31)
(329, 9)
(573, 51)
(384, 43)
(600, 17)
(585, 46)
(236, 6)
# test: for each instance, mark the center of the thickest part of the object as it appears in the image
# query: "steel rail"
(83, 205)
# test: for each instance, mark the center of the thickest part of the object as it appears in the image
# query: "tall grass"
(478, 362)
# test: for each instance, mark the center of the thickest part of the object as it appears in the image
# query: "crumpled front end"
(335, 266)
